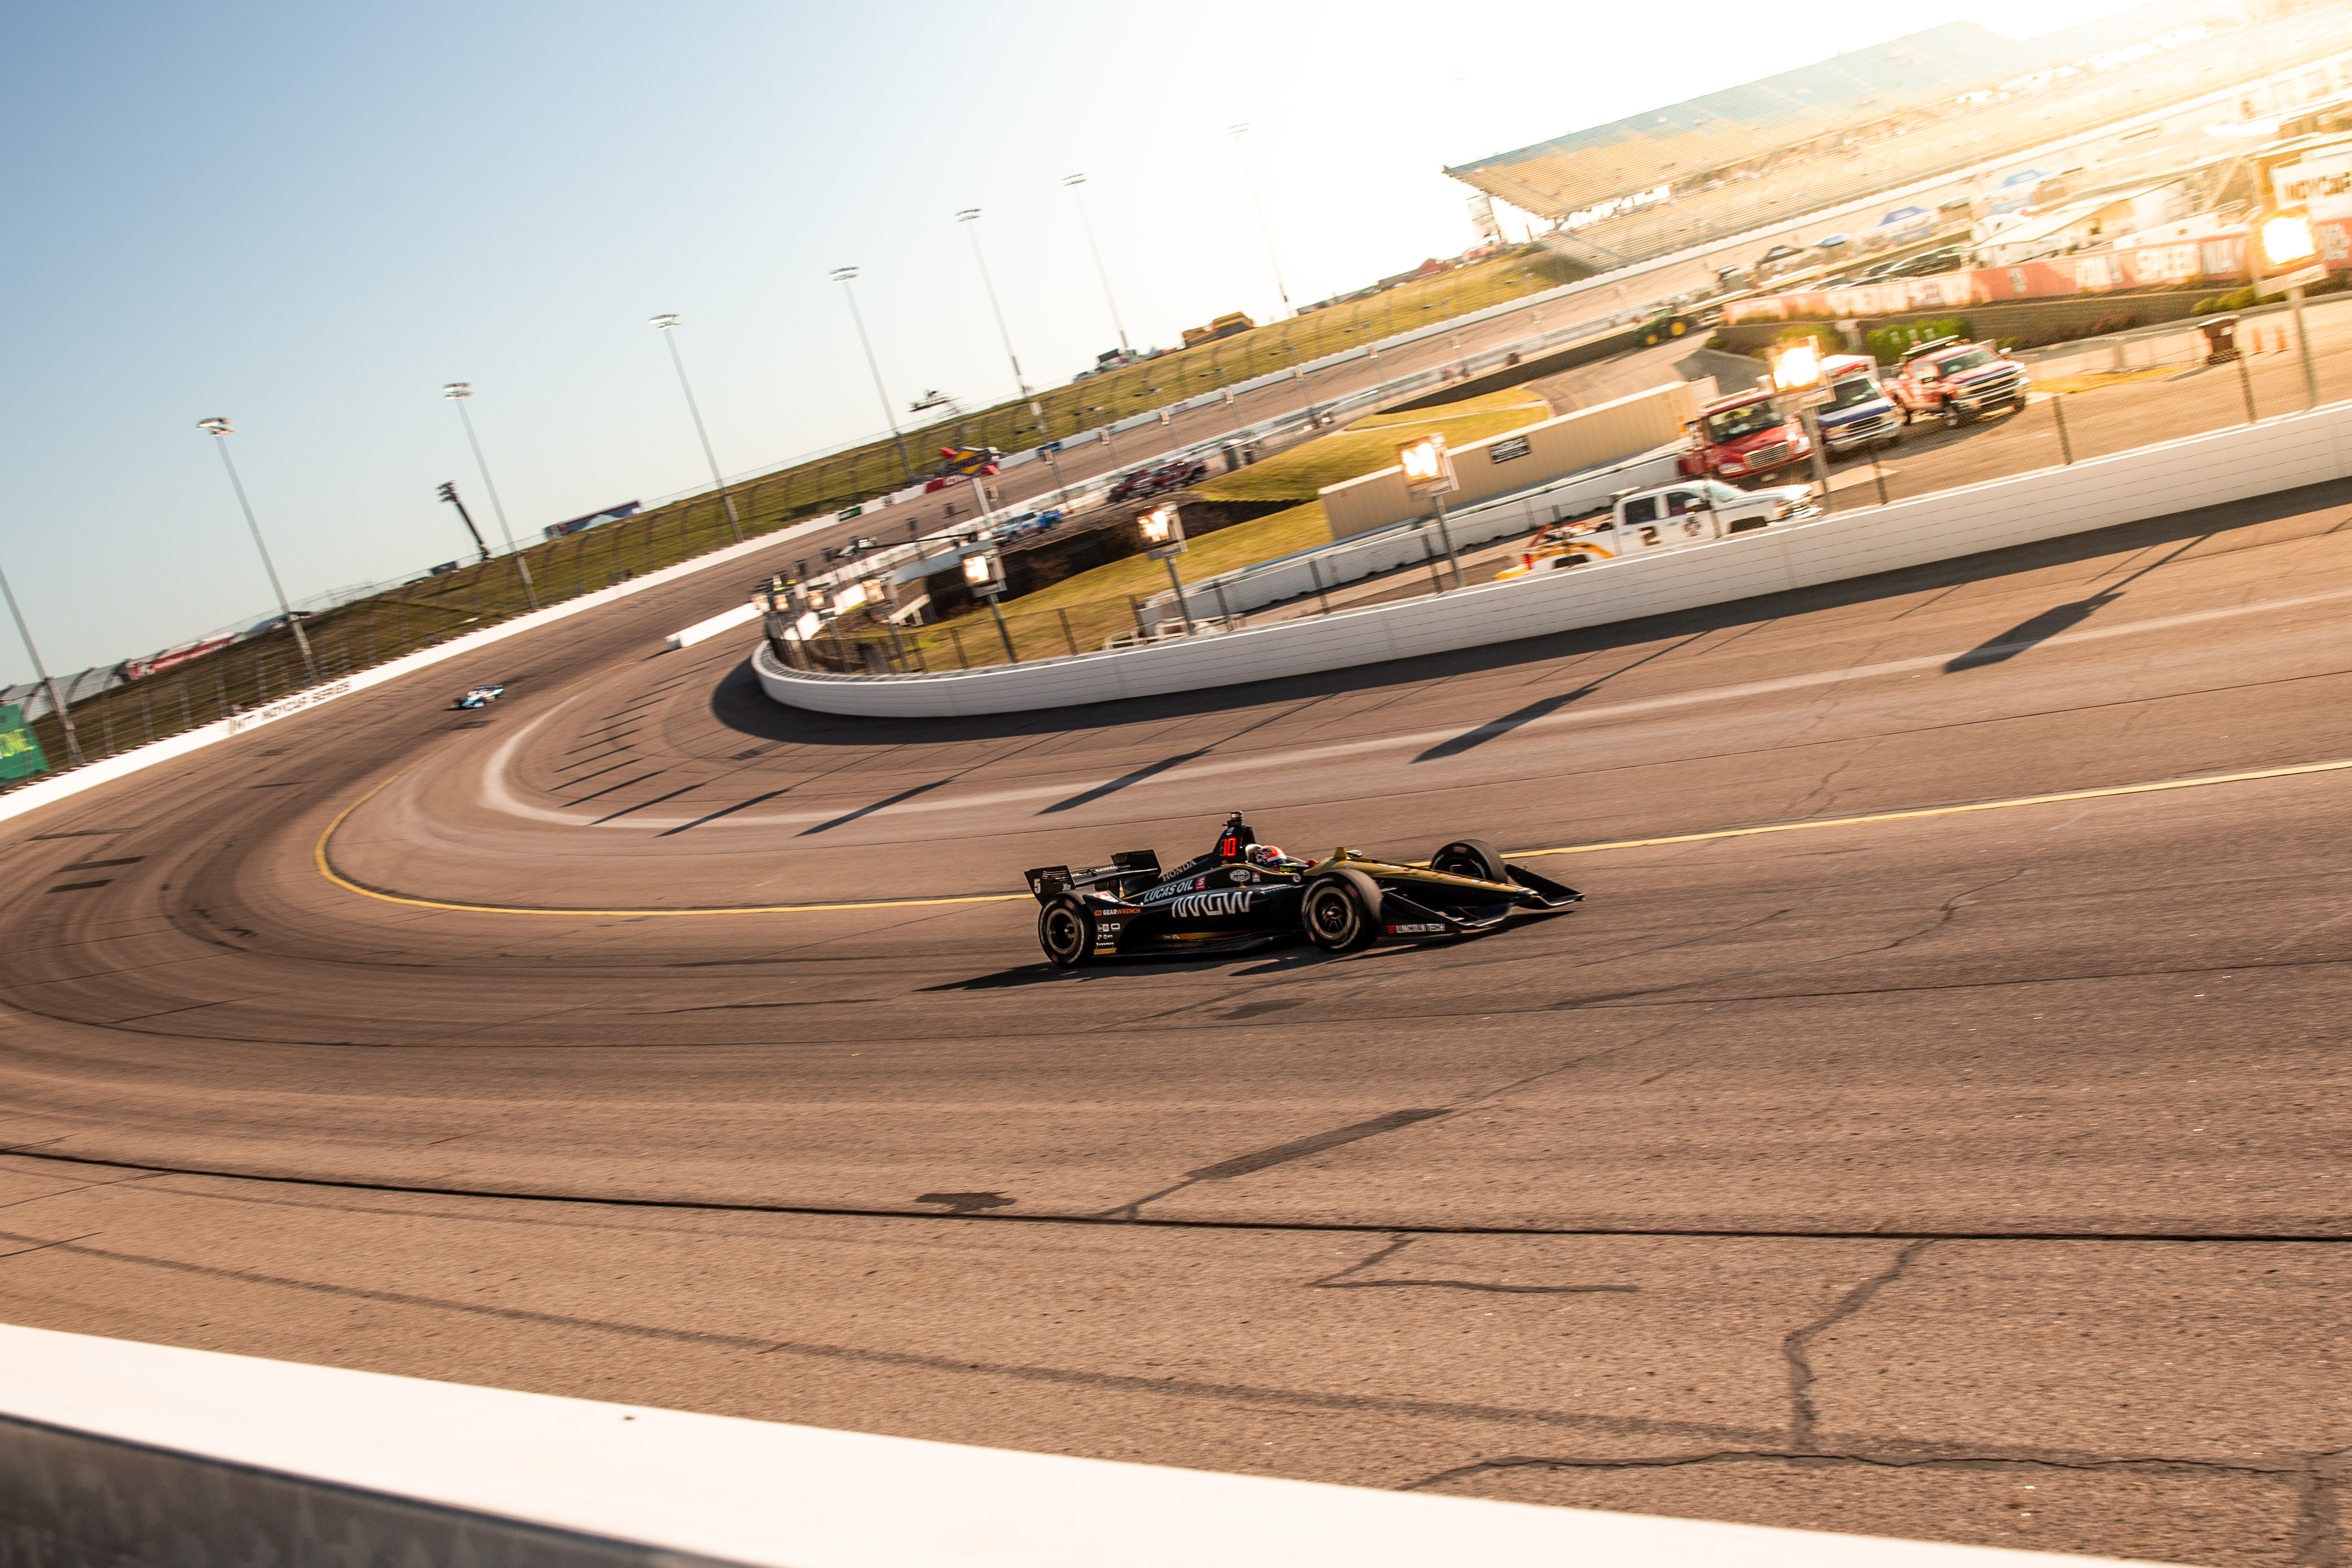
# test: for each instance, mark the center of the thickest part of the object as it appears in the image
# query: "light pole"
(448, 492)
(1107, 442)
(57, 702)
(2292, 254)
(1249, 181)
(967, 217)
(1074, 182)
(218, 428)
(662, 324)
(457, 392)
(845, 275)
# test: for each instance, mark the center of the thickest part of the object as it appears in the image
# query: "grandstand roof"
(1567, 173)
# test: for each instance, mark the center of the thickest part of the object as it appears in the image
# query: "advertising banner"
(2318, 179)
(20, 749)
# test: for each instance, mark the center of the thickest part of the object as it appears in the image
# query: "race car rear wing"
(1127, 869)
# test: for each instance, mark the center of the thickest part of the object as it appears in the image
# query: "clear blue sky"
(309, 217)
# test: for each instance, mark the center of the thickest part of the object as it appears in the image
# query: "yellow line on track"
(327, 870)
(1946, 810)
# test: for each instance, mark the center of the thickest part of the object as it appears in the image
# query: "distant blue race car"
(478, 697)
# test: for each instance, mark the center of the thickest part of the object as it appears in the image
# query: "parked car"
(1159, 480)
(1951, 258)
(1670, 518)
(1957, 382)
(1860, 414)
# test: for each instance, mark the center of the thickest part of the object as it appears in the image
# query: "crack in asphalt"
(1338, 1281)
(1280, 1154)
(2314, 1474)
(877, 1211)
(1945, 914)
(1804, 1423)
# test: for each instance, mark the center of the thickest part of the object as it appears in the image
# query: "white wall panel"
(2196, 471)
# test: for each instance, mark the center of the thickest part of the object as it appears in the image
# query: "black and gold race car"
(1244, 895)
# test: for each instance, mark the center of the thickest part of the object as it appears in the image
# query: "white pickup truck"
(1672, 516)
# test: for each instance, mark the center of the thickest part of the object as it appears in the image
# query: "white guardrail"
(2145, 482)
(117, 1452)
(900, 559)
(1415, 543)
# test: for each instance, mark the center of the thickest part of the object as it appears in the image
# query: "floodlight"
(1796, 366)
(1428, 468)
(1158, 526)
(216, 425)
(2287, 239)
(459, 389)
(665, 322)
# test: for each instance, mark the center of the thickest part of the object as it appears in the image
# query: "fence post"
(963, 660)
(1314, 575)
(2065, 447)
(1876, 472)
(2246, 385)
(1003, 630)
(1067, 635)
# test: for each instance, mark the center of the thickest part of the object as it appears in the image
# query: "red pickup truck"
(1957, 380)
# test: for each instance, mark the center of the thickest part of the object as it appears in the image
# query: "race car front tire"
(1470, 857)
(1066, 930)
(1342, 912)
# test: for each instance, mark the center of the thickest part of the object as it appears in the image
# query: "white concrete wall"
(1565, 444)
(122, 1452)
(2147, 482)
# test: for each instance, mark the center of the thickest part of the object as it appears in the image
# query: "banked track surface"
(1975, 1176)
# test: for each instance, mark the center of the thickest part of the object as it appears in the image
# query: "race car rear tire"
(1066, 930)
(1342, 912)
(1470, 857)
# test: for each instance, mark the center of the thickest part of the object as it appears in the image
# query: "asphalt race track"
(1974, 1174)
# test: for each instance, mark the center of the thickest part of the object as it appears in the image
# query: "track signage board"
(20, 748)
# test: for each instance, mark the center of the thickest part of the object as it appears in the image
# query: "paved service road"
(1976, 1176)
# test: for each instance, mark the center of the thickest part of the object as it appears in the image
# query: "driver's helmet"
(1266, 855)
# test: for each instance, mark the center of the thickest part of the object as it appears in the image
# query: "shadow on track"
(2030, 633)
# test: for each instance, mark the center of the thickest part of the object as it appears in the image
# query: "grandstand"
(1885, 117)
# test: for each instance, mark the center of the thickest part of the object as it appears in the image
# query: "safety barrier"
(31, 796)
(1415, 543)
(112, 1451)
(2126, 486)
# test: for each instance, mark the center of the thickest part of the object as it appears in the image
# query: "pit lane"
(1973, 1176)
